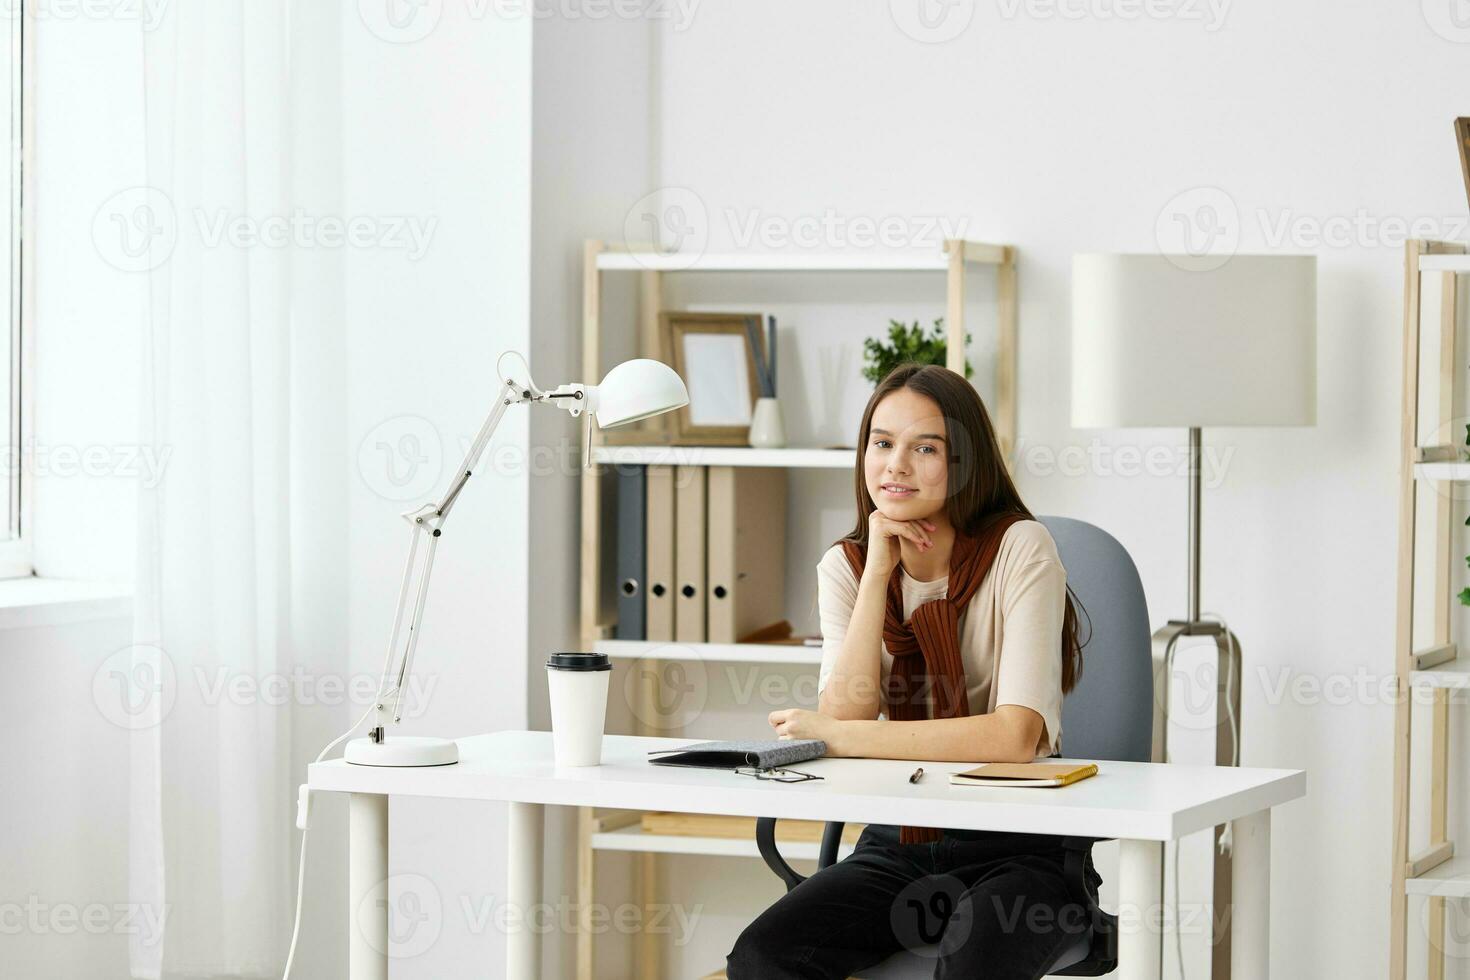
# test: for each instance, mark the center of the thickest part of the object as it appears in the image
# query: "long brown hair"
(979, 486)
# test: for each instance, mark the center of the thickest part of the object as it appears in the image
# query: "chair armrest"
(765, 842)
(1102, 955)
(831, 841)
(1077, 865)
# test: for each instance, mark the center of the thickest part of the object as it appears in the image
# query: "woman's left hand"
(803, 723)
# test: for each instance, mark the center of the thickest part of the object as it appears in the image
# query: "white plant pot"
(766, 428)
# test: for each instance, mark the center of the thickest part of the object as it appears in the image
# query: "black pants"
(997, 905)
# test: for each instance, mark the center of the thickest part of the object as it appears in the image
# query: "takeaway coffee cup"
(578, 683)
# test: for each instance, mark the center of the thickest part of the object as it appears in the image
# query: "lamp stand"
(377, 749)
(1227, 706)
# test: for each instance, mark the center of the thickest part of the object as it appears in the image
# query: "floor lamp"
(1175, 341)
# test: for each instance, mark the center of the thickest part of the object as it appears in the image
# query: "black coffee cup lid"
(579, 661)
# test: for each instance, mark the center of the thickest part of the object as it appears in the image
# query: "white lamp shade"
(1156, 342)
(638, 389)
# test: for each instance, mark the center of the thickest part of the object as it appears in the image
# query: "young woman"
(948, 634)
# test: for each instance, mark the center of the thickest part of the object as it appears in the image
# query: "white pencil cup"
(766, 428)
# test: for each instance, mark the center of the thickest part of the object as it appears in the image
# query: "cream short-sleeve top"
(1010, 633)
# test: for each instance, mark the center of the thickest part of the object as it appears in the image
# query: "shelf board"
(1444, 263)
(632, 838)
(1450, 674)
(774, 262)
(1451, 879)
(1447, 472)
(832, 459)
(734, 653)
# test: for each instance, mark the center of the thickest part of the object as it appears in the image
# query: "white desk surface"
(1133, 800)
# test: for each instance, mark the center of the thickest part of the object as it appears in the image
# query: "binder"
(689, 554)
(761, 753)
(659, 554)
(632, 512)
(747, 554)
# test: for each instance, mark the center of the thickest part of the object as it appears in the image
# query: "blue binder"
(631, 563)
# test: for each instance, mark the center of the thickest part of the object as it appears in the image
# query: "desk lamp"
(632, 391)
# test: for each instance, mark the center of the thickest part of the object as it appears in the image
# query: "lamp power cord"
(303, 823)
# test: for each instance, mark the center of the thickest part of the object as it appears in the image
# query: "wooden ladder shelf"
(1425, 655)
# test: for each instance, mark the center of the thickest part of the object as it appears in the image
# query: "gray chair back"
(1109, 714)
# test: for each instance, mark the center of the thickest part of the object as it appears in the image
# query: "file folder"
(659, 554)
(632, 540)
(689, 554)
(747, 550)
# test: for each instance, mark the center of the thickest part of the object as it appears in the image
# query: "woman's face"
(905, 461)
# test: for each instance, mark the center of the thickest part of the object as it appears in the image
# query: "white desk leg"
(523, 890)
(1140, 939)
(1250, 946)
(367, 871)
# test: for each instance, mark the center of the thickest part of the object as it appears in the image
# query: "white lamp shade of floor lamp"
(1156, 343)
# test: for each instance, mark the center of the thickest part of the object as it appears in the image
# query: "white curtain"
(218, 609)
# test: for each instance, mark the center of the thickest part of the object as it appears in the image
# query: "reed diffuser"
(766, 428)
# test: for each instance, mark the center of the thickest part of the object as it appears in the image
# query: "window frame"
(17, 555)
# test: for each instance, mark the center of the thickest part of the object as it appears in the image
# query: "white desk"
(1141, 804)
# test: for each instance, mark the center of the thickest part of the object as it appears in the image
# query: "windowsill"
(30, 602)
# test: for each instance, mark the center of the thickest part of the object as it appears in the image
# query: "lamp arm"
(430, 519)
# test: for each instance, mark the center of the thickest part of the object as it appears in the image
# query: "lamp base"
(402, 750)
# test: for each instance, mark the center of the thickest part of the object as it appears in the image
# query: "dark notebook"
(763, 753)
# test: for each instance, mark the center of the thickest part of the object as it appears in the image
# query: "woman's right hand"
(884, 542)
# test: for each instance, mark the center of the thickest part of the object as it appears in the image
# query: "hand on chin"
(905, 510)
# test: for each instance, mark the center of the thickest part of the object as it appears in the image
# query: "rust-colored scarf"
(938, 676)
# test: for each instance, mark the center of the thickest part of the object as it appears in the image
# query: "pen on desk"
(917, 773)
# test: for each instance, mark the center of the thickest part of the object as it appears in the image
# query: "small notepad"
(1024, 774)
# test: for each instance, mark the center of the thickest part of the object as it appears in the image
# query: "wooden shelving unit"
(726, 653)
(620, 830)
(1425, 655)
(807, 459)
(633, 838)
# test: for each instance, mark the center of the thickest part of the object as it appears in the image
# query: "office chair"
(1108, 715)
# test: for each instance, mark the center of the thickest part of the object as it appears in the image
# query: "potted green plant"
(907, 342)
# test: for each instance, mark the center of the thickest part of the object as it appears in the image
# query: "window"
(16, 44)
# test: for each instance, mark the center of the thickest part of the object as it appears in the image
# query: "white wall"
(1064, 134)
(438, 130)
(591, 153)
(65, 852)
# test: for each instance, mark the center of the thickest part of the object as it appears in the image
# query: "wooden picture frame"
(700, 347)
(1462, 137)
